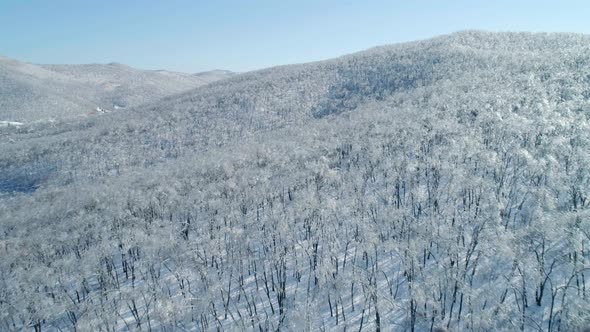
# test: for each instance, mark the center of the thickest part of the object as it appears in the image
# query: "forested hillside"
(440, 184)
(30, 92)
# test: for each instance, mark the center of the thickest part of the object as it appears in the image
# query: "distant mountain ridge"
(31, 92)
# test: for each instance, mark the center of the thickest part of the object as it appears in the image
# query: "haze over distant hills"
(442, 184)
(30, 92)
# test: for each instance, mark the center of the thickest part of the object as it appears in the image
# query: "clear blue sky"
(249, 34)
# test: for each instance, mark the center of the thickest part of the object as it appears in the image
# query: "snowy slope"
(441, 184)
(30, 92)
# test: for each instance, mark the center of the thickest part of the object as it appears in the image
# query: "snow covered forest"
(427, 186)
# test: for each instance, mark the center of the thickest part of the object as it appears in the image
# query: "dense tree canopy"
(437, 184)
